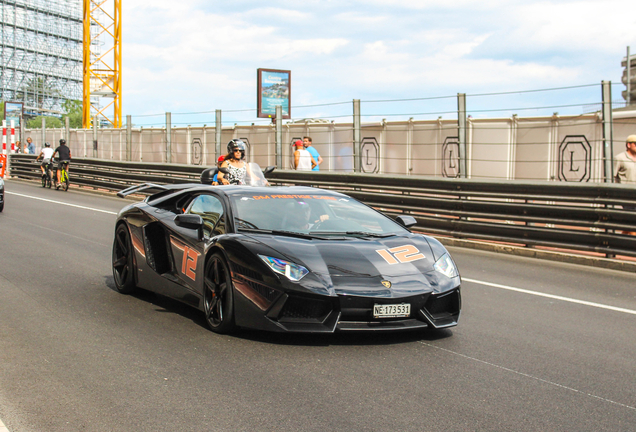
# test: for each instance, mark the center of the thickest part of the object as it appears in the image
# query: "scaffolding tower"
(41, 53)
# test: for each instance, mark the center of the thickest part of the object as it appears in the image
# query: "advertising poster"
(274, 88)
(13, 111)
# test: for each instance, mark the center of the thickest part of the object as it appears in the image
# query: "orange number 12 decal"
(401, 254)
(189, 265)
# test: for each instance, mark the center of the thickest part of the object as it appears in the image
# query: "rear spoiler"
(139, 188)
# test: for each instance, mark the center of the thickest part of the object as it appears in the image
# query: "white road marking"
(3, 428)
(61, 202)
(552, 296)
(529, 376)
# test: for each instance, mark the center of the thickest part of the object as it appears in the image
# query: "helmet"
(236, 144)
(62, 141)
(47, 144)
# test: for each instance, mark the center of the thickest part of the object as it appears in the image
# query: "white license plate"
(391, 310)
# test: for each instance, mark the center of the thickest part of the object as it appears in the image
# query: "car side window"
(210, 209)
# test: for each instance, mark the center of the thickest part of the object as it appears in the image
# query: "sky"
(196, 56)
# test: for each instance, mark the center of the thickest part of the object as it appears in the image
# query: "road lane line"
(528, 376)
(552, 296)
(3, 428)
(60, 202)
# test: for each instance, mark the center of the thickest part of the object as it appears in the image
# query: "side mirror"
(406, 221)
(269, 169)
(190, 221)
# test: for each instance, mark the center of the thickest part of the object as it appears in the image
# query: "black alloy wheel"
(218, 302)
(123, 266)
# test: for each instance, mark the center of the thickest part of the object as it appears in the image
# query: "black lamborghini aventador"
(293, 259)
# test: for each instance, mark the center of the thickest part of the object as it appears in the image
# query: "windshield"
(310, 214)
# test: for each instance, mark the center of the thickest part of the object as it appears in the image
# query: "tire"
(65, 182)
(218, 297)
(123, 263)
(49, 181)
(1, 206)
(43, 180)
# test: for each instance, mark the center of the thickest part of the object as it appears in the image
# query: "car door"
(188, 245)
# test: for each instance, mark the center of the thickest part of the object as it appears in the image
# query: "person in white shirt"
(303, 161)
(45, 155)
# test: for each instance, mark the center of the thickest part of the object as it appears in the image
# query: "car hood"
(368, 266)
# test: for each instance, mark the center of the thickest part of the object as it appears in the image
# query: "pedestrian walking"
(307, 142)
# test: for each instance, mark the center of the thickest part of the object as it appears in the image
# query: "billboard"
(13, 111)
(274, 88)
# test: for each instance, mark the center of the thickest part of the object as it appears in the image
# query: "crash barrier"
(586, 217)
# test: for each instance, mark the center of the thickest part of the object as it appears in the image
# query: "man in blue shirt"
(30, 145)
(314, 153)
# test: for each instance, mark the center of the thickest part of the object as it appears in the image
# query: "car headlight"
(445, 266)
(292, 271)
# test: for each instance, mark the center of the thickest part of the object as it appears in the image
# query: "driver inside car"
(299, 216)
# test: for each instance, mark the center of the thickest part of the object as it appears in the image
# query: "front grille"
(305, 308)
(443, 306)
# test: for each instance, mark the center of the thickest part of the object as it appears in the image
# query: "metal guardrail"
(576, 216)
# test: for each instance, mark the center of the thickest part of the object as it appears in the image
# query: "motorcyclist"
(237, 168)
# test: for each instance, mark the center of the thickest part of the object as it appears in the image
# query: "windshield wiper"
(368, 234)
(284, 233)
(297, 234)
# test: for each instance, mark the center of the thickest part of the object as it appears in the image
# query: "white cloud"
(205, 56)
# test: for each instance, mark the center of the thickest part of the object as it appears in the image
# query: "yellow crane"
(102, 61)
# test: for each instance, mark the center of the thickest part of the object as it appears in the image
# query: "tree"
(51, 122)
(73, 110)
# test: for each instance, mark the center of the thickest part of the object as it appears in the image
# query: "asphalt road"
(77, 356)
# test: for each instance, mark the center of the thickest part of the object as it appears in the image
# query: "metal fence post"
(22, 132)
(95, 136)
(356, 136)
(67, 131)
(217, 135)
(43, 130)
(279, 136)
(169, 137)
(461, 133)
(608, 138)
(628, 99)
(128, 137)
